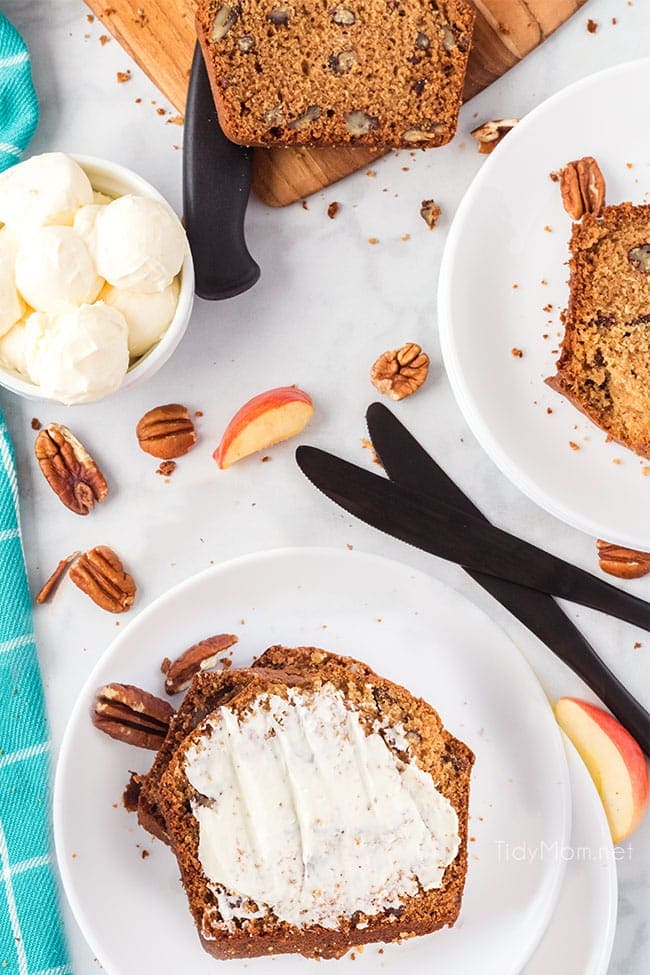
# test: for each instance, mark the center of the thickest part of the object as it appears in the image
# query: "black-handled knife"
(216, 187)
(454, 535)
(407, 462)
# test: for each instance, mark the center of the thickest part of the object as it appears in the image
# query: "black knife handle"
(544, 618)
(216, 187)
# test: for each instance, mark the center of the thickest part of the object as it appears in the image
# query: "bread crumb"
(592, 26)
(555, 177)
(430, 213)
(367, 445)
(138, 101)
(303, 204)
(333, 209)
(406, 236)
(637, 645)
(515, 286)
(630, 165)
(549, 410)
(90, 18)
(543, 281)
(616, 460)
(104, 39)
(573, 445)
(373, 240)
(645, 471)
(549, 230)
(161, 111)
(123, 76)
(144, 854)
(36, 423)
(371, 173)
(265, 459)
(517, 353)
(406, 169)
(175, 120)
(349, 547)
(166, 468)
(614, 21)
(548, 308)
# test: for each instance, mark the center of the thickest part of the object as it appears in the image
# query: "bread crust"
(400, 86)
(604, 365)
(436, 750)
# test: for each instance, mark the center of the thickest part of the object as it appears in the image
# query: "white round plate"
(410, 628)
(503, 286)
(581, 933)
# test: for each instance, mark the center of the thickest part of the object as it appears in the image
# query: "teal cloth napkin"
(31, 933)
(18, 104)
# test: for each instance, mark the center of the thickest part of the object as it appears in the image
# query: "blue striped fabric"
(18, 103)
(31, 934)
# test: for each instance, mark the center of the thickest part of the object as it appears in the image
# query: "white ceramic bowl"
(114, 180)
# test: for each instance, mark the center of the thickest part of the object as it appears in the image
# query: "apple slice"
(265, 420)
(615, 762)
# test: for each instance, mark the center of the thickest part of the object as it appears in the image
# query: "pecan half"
(166, 431)
(639, 258)
(131, 715)
(69, 469)
(625, 563)
(100, 574)
(399, 372)
(52, 583)
(582, 186)
(202, 656)
(490, 134)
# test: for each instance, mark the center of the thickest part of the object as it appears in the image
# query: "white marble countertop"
(327, 304)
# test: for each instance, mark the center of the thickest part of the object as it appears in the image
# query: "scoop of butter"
(78, 354)
(45, 189)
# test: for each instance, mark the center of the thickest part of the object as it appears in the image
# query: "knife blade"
(216, 187)
(461, 538)
(406, 462)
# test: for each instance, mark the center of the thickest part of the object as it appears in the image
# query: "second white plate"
(412, 629)
(503, 286)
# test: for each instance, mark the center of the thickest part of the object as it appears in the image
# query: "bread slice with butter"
(209, 691)
(317, 813)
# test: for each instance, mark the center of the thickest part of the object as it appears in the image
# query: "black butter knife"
(454, 535)
(407, 462)
(216, 187)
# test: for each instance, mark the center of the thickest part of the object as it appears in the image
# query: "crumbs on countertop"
(573, 445)
(373, 240)
(123, 77)
(166, 468)
(592, 26)
(333, 209)
(516, 353)
(104, 39)
(36, 423)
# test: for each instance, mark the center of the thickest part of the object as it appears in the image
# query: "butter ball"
(140, 244)
(54, 268)
(45, 189)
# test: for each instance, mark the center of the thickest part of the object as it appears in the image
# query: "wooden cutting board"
(159, 36)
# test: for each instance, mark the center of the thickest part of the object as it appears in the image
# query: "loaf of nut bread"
(604, 367)
(380, 73)
(286, 844)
